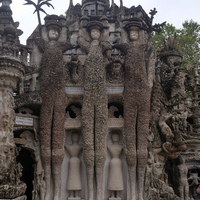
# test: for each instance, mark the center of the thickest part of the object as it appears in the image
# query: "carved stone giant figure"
(94, 110)
(52, 82)
(136, 108)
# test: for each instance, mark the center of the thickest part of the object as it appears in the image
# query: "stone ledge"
(18, 198)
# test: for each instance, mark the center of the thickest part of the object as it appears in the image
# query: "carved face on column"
(116, 68)
(133, 34)
(95, 33)
(5, 123)
(53, 34)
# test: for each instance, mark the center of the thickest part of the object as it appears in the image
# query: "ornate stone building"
(89, 111)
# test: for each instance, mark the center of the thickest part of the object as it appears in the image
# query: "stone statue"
(74, 66)
(193, 181)
(52, 83)
(136, 107)
(115, 177)
(115, 72)
(193, 178)
(74, 173)
(173, 144)
(164, 127)
(172, 149)
(5, 123)
(183, 187)
(94, 108)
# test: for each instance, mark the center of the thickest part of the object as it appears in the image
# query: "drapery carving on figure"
(115, 176)
(74, 172)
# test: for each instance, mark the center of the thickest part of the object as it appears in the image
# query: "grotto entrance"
(25, 158)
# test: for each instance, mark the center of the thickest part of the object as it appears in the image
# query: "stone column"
(11, 187)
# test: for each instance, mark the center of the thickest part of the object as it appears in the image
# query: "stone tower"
(11, 78)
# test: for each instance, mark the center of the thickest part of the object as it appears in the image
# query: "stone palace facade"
(89, 111)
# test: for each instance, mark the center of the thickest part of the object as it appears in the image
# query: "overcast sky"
(173, 11)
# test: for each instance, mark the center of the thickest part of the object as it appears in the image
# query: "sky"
(173, 11)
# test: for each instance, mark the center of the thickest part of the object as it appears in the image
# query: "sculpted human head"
(133, 33)
(53, 34)
(75, 137)
(170, 138)
(116, 68)
(115, 137)
(95, 32)
(5, 121)
(53, 25)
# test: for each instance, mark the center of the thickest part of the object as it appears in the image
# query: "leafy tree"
(38, 7)
(159, 38)
(188, 38)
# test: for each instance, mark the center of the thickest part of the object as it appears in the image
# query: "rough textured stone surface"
(94, 110)
(95, 73)
(52, 92)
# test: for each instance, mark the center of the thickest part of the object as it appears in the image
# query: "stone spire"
(112, 8)
(122, 7)
(11, 75)
(6, 3)
(71, 3)
(73, 12)
(5, 12)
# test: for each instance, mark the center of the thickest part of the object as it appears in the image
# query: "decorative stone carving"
(11, 73)
(52, 82)
(159, 187)
(94, 109)
(74, 173)
(10, 173)
(108, 81)
(73, 111)
(74, 67)
(174, 144)
(183, 186)
(193, 181)
(136, 105)
(29, 98)
(115, 73)
(115, 176)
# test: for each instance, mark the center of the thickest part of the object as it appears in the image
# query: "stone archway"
(25, 158)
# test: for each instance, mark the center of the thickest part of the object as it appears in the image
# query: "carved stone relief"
(74, 184)
(131, 130)
(115, 175)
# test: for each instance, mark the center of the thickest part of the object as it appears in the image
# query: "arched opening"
(25, 158)
(116, 109)
(73, 110)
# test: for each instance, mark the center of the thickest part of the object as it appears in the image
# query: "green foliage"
(188, 38)
(158, 39)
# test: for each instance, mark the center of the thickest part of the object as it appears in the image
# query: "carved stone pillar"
(11, 187)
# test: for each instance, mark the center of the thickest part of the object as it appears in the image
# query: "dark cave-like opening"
(25, 158)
